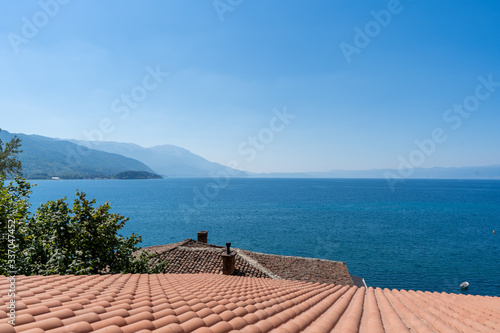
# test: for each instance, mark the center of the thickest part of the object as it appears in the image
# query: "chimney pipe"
(228, 261)
(202, 236)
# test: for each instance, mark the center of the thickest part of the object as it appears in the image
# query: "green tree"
(14, 207)
(9, 163)
(83, 239)
(59, 239)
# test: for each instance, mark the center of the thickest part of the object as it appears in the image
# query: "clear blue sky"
(65, 68)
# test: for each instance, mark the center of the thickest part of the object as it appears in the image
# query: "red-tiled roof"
(191, 256)
(217, 303)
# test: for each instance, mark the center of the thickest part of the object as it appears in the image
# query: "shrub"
(59, 239)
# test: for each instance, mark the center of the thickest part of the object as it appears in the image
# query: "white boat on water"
(464, 285)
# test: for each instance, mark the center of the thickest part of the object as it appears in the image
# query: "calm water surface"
(427, 234)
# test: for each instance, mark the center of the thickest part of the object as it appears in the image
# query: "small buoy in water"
(464, 285)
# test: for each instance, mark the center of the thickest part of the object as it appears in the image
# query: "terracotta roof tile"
(218, 303)
(7, 328)
(189, 256)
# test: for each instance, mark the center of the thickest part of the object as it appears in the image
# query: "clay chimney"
(228, 261)
(202, 236)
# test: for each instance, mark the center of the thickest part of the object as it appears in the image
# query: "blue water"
(426, 235)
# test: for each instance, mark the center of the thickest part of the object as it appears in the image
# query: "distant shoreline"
(271, 178)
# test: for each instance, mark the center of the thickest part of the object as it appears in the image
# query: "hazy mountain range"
(166, 160)
(45, 157)
(482, 172)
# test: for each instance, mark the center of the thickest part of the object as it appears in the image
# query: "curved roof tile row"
(212, 303)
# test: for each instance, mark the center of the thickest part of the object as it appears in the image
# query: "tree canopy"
(62, 239)
(9, 163)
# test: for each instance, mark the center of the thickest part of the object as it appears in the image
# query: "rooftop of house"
(211, 303)
(190, 256)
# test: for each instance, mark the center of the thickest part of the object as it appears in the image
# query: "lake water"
(426, 234)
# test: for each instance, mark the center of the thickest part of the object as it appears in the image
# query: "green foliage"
(137, 175)
(9, 164)
(14, 207)
(59, 239)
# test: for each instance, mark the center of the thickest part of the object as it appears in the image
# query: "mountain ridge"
(166, 160)
(481, 172)
(43, 158)
(105, 159)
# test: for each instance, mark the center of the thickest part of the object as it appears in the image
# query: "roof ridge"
(181, 244)
(191, 256)
(188, 248)
(254, 263)
(295, 257)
